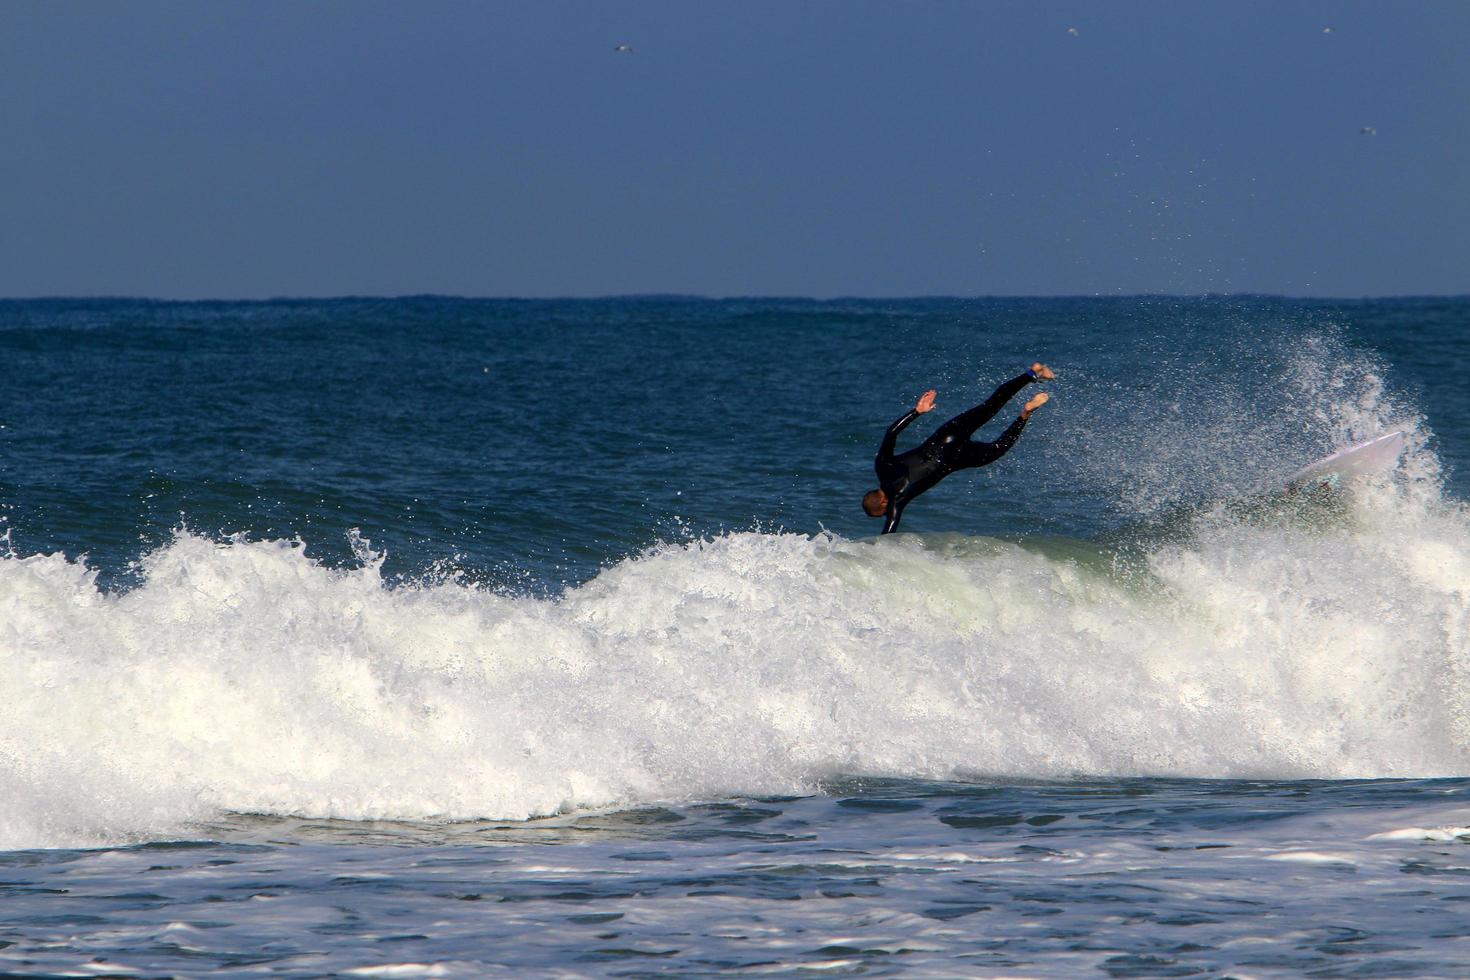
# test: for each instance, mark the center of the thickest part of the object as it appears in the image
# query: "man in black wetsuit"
(903, 477)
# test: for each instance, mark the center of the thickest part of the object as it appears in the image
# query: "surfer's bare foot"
(1035, 403)
(1042, 372)
(926, 402)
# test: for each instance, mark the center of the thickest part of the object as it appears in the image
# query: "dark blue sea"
(445, 637)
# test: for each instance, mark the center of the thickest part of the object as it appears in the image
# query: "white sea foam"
(241, 676)
(1424, 833)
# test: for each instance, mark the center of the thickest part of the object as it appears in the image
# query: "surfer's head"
(875, 503)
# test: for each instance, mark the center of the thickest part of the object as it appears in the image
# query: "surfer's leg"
(965, 424)
(981, 453)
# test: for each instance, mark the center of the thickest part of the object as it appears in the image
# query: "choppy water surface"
(1124, 878)
(436, 637)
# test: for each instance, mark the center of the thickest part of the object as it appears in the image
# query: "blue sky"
(260, 149)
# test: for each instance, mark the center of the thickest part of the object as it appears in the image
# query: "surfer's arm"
(895, 511)
(890, 438)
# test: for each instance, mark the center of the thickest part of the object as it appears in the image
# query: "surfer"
(904, 476)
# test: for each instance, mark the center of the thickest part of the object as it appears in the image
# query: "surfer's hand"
(1042, 372)
(926, 402)
(1034, 404)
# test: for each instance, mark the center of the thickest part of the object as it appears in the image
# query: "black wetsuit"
(906, 475)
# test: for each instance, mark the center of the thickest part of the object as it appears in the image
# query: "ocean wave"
(241, 676)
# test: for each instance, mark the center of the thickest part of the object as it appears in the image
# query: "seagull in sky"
(624, 49)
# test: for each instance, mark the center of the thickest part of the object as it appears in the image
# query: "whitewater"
(244, 677)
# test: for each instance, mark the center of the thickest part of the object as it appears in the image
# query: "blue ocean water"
(463, 637)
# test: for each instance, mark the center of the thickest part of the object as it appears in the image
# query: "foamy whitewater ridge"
(242, 676)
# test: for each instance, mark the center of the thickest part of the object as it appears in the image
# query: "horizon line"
(708, 298)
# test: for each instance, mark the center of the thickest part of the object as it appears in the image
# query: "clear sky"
(503, 148)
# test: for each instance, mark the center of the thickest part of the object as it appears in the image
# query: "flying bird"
(624, 49)
(1073, 31)
(1368, 131)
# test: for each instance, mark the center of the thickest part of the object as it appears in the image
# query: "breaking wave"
(241, 676)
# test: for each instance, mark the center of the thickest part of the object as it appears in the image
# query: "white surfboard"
(1374, 456)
